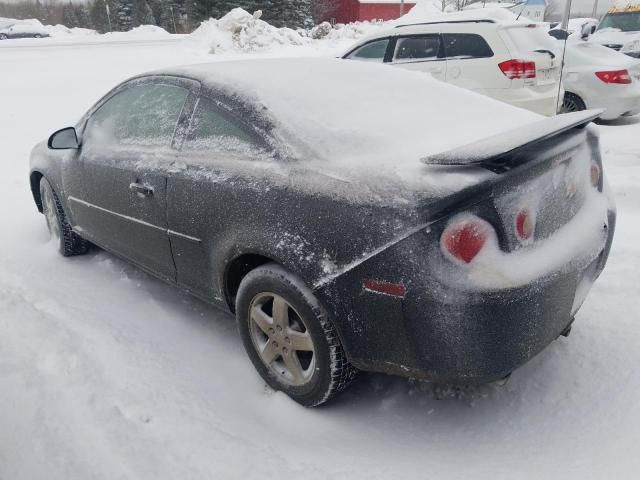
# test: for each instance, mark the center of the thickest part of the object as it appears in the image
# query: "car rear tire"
(69, 243)
(289, 337)
(37, 36)
(3, 36)
(572, 103)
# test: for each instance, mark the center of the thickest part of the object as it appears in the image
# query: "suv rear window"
(465, 45)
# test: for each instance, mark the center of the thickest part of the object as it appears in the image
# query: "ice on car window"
(144, 115)
(371, 52)
(465, 45)
(213, 130)
(417, 48)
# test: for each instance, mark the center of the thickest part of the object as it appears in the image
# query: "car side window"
(212, 129)
(465, 45)
(417, 48)
(140, 115)
(371, 52)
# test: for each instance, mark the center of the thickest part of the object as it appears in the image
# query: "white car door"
(421, 52)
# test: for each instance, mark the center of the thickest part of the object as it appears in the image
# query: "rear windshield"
(625, 21)
(528, 39)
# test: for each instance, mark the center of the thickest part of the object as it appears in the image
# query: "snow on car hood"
(609, 36)
(359, 114)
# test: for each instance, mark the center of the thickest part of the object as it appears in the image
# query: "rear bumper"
(455, 335)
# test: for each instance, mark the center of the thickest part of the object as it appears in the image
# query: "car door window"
(140, 115)
(465, 45)
(212, 129)
(371, 52)
(417, 48)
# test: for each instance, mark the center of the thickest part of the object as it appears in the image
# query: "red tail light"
(524, 225)
(621, 77)
(516, 69)
(464, 240)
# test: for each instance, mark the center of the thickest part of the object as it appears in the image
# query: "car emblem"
(571, 189)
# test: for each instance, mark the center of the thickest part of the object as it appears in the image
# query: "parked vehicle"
(620, 28)
(354, 217)
(598, 77)
(510, 61)
(22, 30)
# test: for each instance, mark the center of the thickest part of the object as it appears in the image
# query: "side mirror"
(64, 139)
(559, 34)
(586, 31)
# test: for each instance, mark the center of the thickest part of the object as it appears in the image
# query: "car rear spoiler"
(491, 150)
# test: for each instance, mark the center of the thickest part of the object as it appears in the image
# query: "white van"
(515, 62)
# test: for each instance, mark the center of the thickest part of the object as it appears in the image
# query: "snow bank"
(239, 31)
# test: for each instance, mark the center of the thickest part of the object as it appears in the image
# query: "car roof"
(349, 110)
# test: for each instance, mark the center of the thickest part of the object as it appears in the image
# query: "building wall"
(382, 11)
(347, 11)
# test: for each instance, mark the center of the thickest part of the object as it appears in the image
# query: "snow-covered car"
(620, 28)
(23, 30)
(353, 217)
(598, 77)
(511, 61)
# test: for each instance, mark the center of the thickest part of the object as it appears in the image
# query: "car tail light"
(620, 77)
(525, 225)
(516, 69)
(596, 173)
(463, 240)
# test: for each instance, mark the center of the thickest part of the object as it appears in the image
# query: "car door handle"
(140, 189)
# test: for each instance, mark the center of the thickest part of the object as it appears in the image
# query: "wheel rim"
(281, 339)
(570, 105)
(51, 216)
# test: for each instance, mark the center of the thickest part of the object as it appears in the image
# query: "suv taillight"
(618, 76)
(517, 69)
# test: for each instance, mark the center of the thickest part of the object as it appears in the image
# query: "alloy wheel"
(50, 215)
(281, 339)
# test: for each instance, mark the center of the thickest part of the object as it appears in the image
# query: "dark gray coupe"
(351, 215)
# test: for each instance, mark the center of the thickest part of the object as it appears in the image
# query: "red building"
(346, 11)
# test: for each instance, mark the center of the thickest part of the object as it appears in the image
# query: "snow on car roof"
(349, 111)
(501, 16)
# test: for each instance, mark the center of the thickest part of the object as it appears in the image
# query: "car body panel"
(335, 228)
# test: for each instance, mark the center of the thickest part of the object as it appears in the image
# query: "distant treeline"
(175, 16)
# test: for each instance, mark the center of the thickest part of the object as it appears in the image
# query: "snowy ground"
(108, 373)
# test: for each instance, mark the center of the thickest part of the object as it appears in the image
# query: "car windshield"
(625, 21)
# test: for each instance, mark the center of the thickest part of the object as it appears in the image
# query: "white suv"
(515, 62)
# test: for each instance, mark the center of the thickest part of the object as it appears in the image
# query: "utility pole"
(566, 15)
(401, 7)
(106, 7)
(594, 14)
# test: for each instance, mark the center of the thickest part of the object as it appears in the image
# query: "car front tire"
(289, 337)
(68, 242)
(3, 36)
